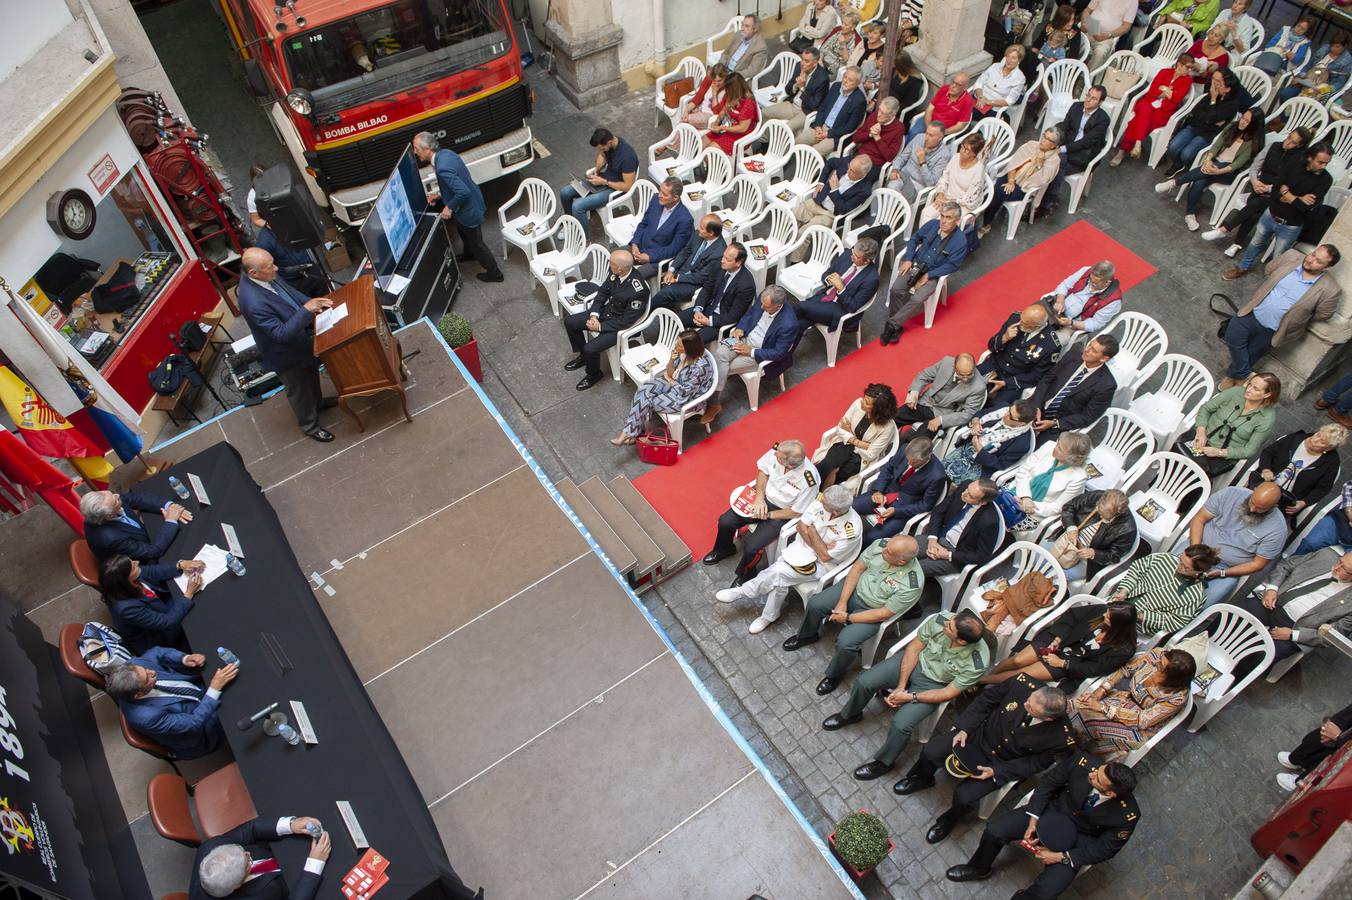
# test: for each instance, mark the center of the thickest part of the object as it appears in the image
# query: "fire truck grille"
(373, 159)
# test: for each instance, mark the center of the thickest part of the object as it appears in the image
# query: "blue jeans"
(1268, 229)
(1218, 590)
(1332, 529)
(1248, 340)
(998, 199)
(1184, 146)
(1340, 395)
(1197, 182)
(580, 208)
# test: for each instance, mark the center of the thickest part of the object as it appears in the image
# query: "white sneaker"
(727, 595)
(760, 624)
(1285, 759)
(1165, 187)
(1233, 250)
(1191, 221)
(1287, 781)
(1214, 234)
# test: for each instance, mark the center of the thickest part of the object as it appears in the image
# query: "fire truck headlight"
(301, 101)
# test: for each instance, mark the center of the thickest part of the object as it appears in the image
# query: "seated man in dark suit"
(664, 229)
(618, 303)
(113, 525)
(690, 268)
(1022, 352)
(907, 485)
(851, 282)
(725, 296)
(1076, 392)
(1084, 132)
(297, 267)
(282, 320)
(845, 185)
(839, 115)
(161, 694)
(767, 333)
(239, 863)
(962, 530)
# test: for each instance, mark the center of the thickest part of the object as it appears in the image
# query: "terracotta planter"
(469, 355)
(857, 874)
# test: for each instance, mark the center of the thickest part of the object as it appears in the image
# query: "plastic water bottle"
(292, 737)
(228, 657)
(233, 563)
(179, 488)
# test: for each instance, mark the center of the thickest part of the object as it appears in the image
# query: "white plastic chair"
(886, 208)
(1141, 752)
(769, 83)
(1078, 182)
(689, 67)
(1017, 560)
(1125, 441)
(1014, 112)
(717, 176)
(1257, 82)
(1159, 138)
(593, 267)
(527, 228)
(803, 279)
(1238, 635)
(1185, 384)
(779, 141)
(780, 235)
(675, 422)
(640, 359)
(1338, 135)
(1165, 479)
(1299, 111)
(747, 202)
(1140, 342)
(807, 171)
(850, 322)
(688, 148)
(1015, 209)
(733, 26)
(1251, 33)
(1000, 142)
(621, 338)
(569, 247)
(1127, 61)
(1169, 41)
(753, 379)
(1061, 83)
(620, 228)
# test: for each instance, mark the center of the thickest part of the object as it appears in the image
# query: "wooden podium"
(360, 353)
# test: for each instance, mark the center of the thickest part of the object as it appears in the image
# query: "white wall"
(28, 25)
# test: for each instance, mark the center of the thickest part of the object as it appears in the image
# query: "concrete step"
(615, 548)
(645, 550)
(676, 555)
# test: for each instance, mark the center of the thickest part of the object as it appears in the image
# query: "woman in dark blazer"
(1111, 527)
(1303, 465)
(1088, 641)
(145, 612)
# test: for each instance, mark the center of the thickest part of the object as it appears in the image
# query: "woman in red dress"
(740, 115)
(1161, 100)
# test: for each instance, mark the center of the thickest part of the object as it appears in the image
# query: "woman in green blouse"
(1194, 15)
(1236, 423)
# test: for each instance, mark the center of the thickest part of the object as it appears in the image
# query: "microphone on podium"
(247, 722)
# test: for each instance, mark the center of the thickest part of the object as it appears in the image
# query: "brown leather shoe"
(1321, 404)
(1345, 421)
(710, 414)
(1226, 383)
(1234, 273)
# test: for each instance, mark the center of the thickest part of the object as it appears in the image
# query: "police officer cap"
(1056, 831)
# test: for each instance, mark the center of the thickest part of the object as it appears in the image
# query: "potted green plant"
(459, 336)
(860, 842)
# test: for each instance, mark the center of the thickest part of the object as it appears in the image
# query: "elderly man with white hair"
(829, 532)
(839, 115)
(612, 306)
(240, 863)
(1087, 300)
(786, 483)
(113, 524)
(844, 187)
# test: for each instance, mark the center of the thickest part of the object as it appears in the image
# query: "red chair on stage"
(222, 800)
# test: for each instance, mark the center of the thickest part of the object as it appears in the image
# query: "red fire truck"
(351, 81)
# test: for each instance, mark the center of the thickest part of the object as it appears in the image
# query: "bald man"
(953, 391)
(1247, 530)
(691, 268)
(1023, 351)
(282, 320)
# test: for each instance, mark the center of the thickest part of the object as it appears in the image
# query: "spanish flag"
(50, 434)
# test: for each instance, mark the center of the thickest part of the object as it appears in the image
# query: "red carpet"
(691, 494)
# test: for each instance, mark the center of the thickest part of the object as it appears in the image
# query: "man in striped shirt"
(1167, 590)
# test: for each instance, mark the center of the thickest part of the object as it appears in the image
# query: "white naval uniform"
(843, 536)
(794, 488)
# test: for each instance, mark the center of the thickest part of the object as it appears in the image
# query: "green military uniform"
(941, 663)
(882, 585)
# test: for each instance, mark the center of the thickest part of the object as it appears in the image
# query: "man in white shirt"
(1103, 22)
(785, 486)
(829, 532)
(1301, 594)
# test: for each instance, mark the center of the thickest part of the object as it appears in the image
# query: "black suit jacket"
(112, 538)
(861, 289)
(254, 837)
(1084, 405)
(726, 307)
(1104, 829)
(999, 736)
(921, 490)
(1079, 153)
(696, 274)
(977, 542)
(1312, 483)
(814, 92)
(854, 197)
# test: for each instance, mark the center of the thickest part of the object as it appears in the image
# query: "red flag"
(23, 467)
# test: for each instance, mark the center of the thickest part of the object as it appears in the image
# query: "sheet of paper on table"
(214, 557)
(330, 317)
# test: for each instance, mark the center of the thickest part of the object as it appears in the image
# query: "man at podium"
(282, 320)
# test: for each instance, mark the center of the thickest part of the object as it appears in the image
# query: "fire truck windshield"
(407, 37)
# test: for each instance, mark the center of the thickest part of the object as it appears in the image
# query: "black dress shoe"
(742, 578)
(490, 277)
(837, 721)
(939, 830)
(966, 872)
(912, 783)
(826, 686)
(319, 434)
(714, 557)
(794, 642)
(589, 381)
(871, 770)
(575, 363)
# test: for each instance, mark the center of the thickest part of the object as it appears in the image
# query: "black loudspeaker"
(285, 203)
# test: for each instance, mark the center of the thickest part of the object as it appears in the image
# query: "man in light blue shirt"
(839, 115)
(1272, 316)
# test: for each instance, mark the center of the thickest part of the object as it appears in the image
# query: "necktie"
(1055, 403)
(694, 257)
(844, 280)
(126, 519)
(1306, 589)
(905, 476)
(1092, 800)
(185, 689)
(264, 867)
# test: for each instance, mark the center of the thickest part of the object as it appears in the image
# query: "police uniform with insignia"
(1020, 362)
(798, 564)
(1001, 735)
(880, 585)
(1103, 825)
(620, 302)
(786, 487)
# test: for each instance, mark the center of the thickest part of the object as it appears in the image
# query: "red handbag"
(658, 449)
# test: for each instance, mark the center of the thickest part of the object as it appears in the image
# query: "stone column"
(586, 44)
(952, 39)
(1304, 362)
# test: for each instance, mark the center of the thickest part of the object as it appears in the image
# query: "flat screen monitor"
(388, 229)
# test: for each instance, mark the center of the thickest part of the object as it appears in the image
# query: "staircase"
(628, 529)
